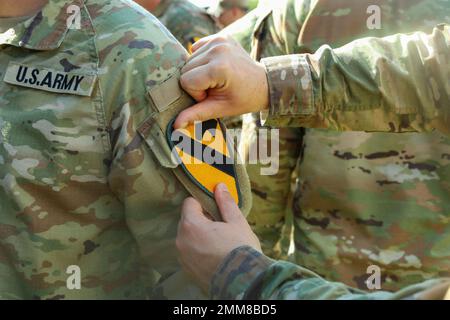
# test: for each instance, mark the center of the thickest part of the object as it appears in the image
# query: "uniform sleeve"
(137, 58)
(247, 274)
(394, 84)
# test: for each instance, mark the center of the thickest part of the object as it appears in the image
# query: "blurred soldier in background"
(378, 65)
(361, 199)
(187, 22)
(228, 11)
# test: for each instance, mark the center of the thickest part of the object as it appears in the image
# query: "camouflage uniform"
(78, 187)
(247, 274)
(187, 22)
(360, 199)
(220, 6)
(383, 90)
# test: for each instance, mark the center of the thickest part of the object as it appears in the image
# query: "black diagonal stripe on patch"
(210, 125)
(224, 167)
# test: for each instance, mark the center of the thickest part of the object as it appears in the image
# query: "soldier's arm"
(139, 57)
(247, 274)
(394, 84)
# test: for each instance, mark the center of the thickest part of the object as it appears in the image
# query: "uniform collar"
(43, 31)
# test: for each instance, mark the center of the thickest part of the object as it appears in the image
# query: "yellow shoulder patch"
(191, 43)
(205, 155)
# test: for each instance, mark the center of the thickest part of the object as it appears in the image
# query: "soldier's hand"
(224, 80)
(204, 244)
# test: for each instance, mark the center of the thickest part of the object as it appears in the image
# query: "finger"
(191, 222)
(195, 62)
(200, 43)
(202, 111)
(203, 56)
(212, 48)
(215, 39)
(192, 211)
(207, 55)
(197, 81)
(227, 206)
(191, 215)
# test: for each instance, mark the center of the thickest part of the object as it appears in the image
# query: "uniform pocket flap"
(155, 139)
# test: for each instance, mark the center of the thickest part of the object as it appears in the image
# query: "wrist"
(238, 272)
(291, 87)
(263, 89)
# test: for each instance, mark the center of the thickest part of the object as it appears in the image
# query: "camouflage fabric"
(247, 274)
(78, 187)
(219, 6)
(360, 199)
(187, 22)
(7, 23)
(372, 84)
(234, 3)
(271, 213)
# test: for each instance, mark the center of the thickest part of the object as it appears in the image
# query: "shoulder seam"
(99, 109)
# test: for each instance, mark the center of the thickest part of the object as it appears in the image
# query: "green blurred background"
(207, 3)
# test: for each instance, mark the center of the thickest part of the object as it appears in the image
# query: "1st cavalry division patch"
(205, 155)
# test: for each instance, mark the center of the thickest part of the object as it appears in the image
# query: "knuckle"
(218, 68)
(215, 51)
(187, 225)
(220, 39)
(219, 49)
(184, 80)
(184, 83)
(199, 114)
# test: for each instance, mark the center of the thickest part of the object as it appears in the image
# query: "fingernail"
(183, 125)
(222, 187)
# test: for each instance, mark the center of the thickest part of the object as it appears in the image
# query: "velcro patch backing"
(166, 93)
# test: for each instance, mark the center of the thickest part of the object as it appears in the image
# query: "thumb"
(227, 206)
(202, 111)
